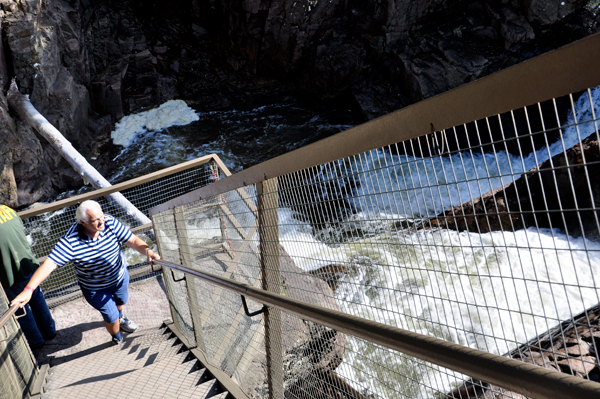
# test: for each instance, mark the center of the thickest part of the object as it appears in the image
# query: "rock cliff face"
(87, 63)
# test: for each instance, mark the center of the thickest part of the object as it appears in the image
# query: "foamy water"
(171, 113)
(492, 291)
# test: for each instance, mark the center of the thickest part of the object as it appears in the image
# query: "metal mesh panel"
(166, 235)
(485, 235)
(45, 230)
(17, 368)
(220, 236)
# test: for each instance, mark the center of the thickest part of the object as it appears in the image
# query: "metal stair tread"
(150, 343)
(174, 389)
(122, 358)
(117, 361)
(165, 376)
(205, 390)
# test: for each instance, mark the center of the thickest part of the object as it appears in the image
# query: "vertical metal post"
(156, 229)
(214, 170)
(187, 260)
(271, 277)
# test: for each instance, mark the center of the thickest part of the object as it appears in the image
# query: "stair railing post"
(269, 259)
(188, 261)
(214, 170)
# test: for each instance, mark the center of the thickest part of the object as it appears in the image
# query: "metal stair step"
(161, 379)
(118, 359)
(147, 351)
(138, 342)
(209, 389)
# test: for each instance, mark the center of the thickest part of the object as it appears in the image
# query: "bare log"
(21, 104)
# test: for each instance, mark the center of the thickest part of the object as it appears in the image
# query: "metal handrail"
(124, 185)
(524, 378)
(569, 69)
(6, 316)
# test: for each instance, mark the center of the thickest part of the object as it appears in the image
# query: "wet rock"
(331, 274)
(564, 348)
(579, 367)
(575, 348)
(554, 195)
(515, 28)
(550, 12)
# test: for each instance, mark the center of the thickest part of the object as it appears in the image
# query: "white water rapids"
(492, 291)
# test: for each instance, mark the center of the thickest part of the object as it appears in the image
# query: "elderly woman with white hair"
(93, 243)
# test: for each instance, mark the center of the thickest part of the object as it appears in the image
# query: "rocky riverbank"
(570, 348)
(86, 64)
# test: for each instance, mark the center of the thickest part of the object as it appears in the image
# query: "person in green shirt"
(17, 267)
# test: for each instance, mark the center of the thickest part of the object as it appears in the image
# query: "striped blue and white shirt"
(98, 263)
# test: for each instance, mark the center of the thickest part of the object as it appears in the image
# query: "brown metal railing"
(38, 210)
(526, 379)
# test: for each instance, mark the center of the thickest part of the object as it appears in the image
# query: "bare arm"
(140, 245)
(38, 277)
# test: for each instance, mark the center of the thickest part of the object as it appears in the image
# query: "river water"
(492, 291)
(241, 138)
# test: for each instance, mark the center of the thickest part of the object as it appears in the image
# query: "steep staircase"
(148, 364)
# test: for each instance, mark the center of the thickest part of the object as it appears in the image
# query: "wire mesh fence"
(17, 368)
(485, 235)
(44, 230)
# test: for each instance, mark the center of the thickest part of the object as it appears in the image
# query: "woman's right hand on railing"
(22, 298)
(40, 275)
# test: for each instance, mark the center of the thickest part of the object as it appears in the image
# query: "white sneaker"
(127, 325)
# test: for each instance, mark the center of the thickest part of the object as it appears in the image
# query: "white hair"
(81, 212)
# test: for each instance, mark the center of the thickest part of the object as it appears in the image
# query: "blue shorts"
(106, 300)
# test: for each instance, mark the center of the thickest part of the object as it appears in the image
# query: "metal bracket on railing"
(152, 268)
(263, 310)
(7, 334)
(174, 279)
(24, 313)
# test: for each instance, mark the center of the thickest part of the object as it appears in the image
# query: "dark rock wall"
(390, 53)
(71, 58)
(86, 63)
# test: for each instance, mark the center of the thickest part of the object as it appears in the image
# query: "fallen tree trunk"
(21, 104)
